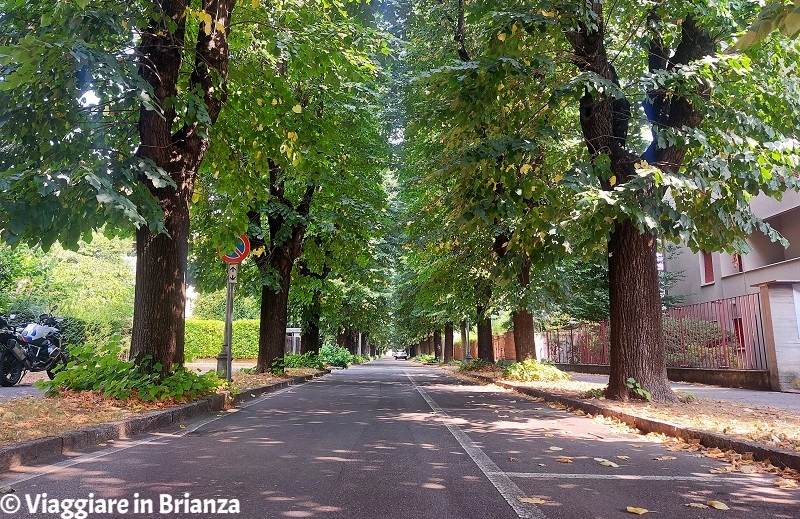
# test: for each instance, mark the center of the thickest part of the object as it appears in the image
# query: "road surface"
(393, 439)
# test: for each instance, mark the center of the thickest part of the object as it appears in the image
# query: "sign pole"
(225, 357)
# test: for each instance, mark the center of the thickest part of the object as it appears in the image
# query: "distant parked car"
(400, 354)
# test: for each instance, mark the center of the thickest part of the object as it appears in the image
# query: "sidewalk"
(787, 401)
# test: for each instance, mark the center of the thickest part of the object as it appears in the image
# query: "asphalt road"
(395, 439)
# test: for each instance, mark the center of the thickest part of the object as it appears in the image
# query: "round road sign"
(240, 253)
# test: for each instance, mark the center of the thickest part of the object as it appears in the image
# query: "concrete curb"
(44, 450)
(778, 457)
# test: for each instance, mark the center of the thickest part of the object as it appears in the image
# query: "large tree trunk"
(637, 345)
(524, 338)
(310, 337)
(464, 341)
(274, 310)
(160, 298)
(437, 344)
(448, 343)
(524, 335)
(485, 349)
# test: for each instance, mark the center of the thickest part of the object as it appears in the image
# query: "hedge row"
(204, 339)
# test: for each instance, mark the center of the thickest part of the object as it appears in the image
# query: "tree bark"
(633, 291)
(161, 258)
(524, 338)
(437, 344)
(448, 343)
(485, 349)
(464, 341)
(310, 337)
(272, 328)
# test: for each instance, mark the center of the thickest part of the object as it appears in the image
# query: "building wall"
(768, 261)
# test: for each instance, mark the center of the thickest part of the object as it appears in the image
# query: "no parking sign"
(239, 253)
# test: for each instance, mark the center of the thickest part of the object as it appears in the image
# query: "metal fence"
(722, 334)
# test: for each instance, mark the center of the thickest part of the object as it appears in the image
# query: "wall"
(781, 303)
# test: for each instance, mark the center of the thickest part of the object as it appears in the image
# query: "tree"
(129, 133)
(305, 141)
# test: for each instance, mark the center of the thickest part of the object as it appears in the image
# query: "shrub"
(426, 357)
(335, 355)
(204, 339)
(305, 360)
(103, 371)
(475, 365)
(530, 369)
(360, 359)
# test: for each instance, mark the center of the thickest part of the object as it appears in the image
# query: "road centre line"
(507, 488)
(56, 467)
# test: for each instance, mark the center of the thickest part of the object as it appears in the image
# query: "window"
(708, 268)
(737, 262)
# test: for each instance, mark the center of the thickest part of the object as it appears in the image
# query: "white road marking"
(710, 479)
(507, 488)
(56, 467)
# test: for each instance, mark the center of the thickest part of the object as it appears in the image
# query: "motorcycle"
(33, 347)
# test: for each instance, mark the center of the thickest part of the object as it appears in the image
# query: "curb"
(43, 450)
(778, 457)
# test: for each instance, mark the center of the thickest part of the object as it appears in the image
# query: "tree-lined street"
(395, 439)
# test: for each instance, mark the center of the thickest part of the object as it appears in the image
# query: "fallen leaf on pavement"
(532, 500)
(637, 511)
(696, 505)
(6, 490)
(564, 460)
(556, 449)
(624, 458)
(719, 505)
(548, 435)
(786, 483)
(606, 463)
(665, 458)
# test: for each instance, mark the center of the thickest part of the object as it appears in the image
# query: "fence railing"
(723, 334)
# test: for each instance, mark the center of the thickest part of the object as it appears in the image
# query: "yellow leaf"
(564, 460)
(719, 505)
(297, 109)
(274, 102)
(556, 449)
(255, 4)
(501, 36)
(696, 505)
(624, 458)
(124, 24)
(786, 483)
(637, 511)
(182, 426)
(665, 458)
(612, 180)
(532, 500)
(514, 28)
(549, 435)
(195, 198)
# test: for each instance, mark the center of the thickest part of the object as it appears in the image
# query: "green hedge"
(204, 339)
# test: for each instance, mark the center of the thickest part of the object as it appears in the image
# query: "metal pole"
(225, 358)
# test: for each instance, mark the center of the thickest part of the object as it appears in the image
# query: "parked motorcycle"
(33, 347)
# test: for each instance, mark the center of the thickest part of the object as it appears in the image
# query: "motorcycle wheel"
(10, 369)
